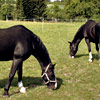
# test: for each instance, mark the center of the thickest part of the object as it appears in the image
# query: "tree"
(70, 10)
(55, 12)
(40, 8)
(6, 10)
(12, 1)
(83, 8)
(19, 9)
(31, 8)
(28, 7)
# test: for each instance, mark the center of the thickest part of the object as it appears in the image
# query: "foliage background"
(38, 9)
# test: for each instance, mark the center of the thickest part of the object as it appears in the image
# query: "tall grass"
(77, 78)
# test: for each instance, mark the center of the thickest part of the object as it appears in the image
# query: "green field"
(77, 78)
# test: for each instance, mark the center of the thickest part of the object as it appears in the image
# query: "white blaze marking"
(90, 60)
(20, 84)
(22, 88)
(90, 57)
(72, 56)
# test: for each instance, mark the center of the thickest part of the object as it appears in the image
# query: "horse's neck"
(76, 42)
(44, 63)
(79, 36)
(43, 57)
(77, 39)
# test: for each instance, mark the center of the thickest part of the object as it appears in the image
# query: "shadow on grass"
(95, 56)
(81, 55)
(29, 82)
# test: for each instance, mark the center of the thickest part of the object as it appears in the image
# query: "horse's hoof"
(23, 90)
(72, 57)
(90, 60)
(6, 94)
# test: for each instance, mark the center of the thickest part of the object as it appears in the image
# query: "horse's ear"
(53, 65)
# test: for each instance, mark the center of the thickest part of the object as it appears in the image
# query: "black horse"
(17, 43)
(91, 32)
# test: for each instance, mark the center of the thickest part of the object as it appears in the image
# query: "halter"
(45, 74)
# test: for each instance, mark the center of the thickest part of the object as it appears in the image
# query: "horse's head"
(48, 76)
(73, 49)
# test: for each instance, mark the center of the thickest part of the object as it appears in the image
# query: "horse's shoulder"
(90, 24)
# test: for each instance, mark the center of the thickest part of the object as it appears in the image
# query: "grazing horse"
(17, 43)
(91, 32)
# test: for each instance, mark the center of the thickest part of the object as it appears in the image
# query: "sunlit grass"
(77, 78)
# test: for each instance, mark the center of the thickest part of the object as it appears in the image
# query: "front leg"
(90, 57)
(15, 65)
(89, 49)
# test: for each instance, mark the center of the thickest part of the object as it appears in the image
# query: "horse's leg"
(97, 48)
(99, 51)
(20, 83)
(89, 49)
(15, 65)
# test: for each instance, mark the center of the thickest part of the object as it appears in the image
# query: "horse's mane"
(38, 41)
(79, 34)
(41, 50)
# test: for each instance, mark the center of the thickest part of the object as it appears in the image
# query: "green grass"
(77, 78)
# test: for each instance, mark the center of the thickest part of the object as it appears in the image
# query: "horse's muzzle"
(71, 56)
(52, 86)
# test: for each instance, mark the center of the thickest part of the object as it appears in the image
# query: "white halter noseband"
(45, 74)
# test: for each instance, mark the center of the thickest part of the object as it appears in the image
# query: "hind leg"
(99, 55)
(97, 48)
(20, 83)
(99, 51)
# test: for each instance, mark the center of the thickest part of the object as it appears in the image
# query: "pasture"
(77, 78)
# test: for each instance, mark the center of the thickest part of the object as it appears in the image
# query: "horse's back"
(92, 31)
(90, 24)
(11, 38)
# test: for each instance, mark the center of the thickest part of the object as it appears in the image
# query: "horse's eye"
(50, 69)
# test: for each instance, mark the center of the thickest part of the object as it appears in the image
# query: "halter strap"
(45, 74)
